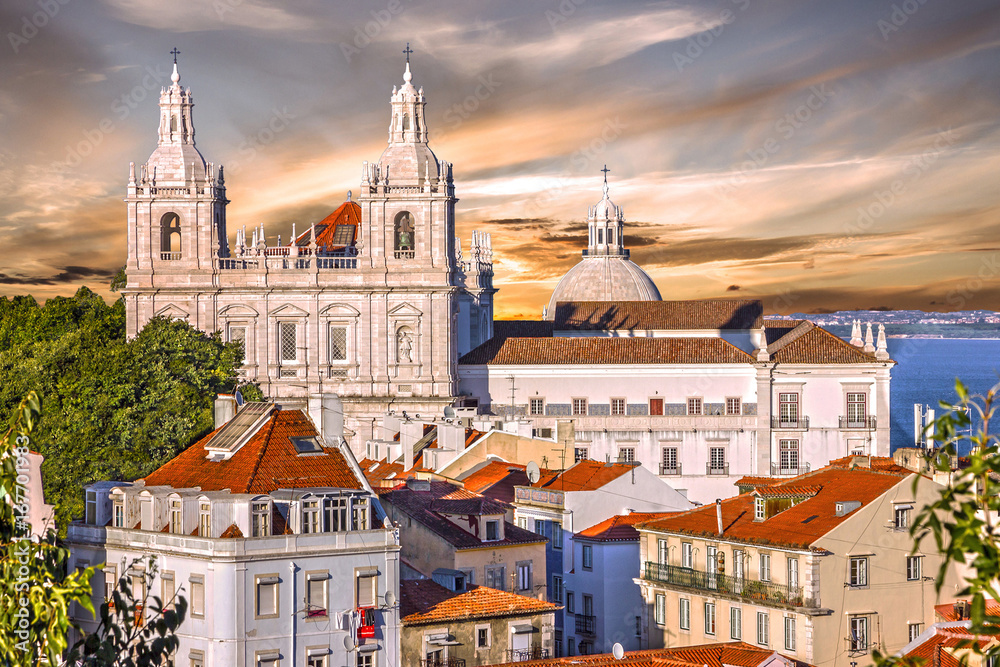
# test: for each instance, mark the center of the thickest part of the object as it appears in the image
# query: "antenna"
(349, 642)
(239, 399)
(449, 412)
(533, 472)
(618, 651)
(390, 599)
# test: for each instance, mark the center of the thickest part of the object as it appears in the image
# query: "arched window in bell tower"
(173, 123)
(405, 243)
(170, 236)
(406, 121)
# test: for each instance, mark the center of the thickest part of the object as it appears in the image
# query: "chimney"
(225, 409)
(718, 514)
(410, 432)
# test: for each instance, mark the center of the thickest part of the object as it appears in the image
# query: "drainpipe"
(293, 615)
(718, 514)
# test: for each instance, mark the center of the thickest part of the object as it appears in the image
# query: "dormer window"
(119, 513)
(758, 509)
(492, 530)
(176, 526)
(336, 514)
(261, 519)
(310, 516)
(91, 515)
(359, 515)
(204, 519)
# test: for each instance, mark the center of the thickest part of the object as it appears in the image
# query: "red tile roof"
(883, 463)
(798, 526)
(424, 601)
(605, 351)
(522, 329)
(732, 654)
(786, 491)
(585, 475)
(620, 528)
(659, 315)
(946, 612)
(348, 213)
(268, 461)
(470, 506)
(816, 345)
(417, 505)
(379, 473)
(497, 480)
(749, 483)
(940, 648)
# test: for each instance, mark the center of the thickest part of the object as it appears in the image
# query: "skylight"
(307, 445)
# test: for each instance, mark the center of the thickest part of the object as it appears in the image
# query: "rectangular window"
(663, 551)
(287, 345)
(857, 412)
(492, 530)
(661, 609)
(579, 406)
(496, 576)
(617, 407)
(859, 572)
(338, 344)
(316, 660)
(204, 520)
(537, 406)
(261, 526)
(167, 594)
(196, 658)
(557, 588)
(789, 633)
(522, 522)
(364, 660)
(239, 333)
(91, 510)
(656, 407)
(359, 514)
(588, 556)
(316, 594)
(638, 626)
(269, 660)
(793, 573)
(570, 602)
(687, 555)
(694, 406)
(709, 618)
(119, 516)
(367, 589)
(110, 584)
(197, 584)
(335, 511)
(559, 643)
(788, 408)
(524, 576)
(914, 630)
(176, 525)
(763, 628)
(734, 406)
(557, 535)
(580, 454)
(901, 517)
(668, 461)
(789, 456)
(267, 596)
(717, 461)
(913, 568)
(735, 623)
(626, 454)
(483, 637)
(684, 614)
(759, 509)
(859, 634)
(588, 605)
(764, 571)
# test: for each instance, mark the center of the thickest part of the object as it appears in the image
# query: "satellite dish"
(239, 399)
(533, 472)
(390, 598)
(449, 412)
(618, 651)
(349, 642)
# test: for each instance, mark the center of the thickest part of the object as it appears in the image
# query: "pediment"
(288, 310)
(339, 310)
(405, 310)
(238, 310)
(173, 312)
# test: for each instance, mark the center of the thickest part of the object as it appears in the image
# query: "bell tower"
(176, 218)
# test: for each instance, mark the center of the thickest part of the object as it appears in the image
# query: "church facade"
(363, 313)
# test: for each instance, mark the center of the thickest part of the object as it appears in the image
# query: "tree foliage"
(116, 409)
(964, 519)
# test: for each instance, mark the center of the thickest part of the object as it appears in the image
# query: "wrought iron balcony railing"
(790, 424)
(868, 423)
(525, 654)
(442, 662)
(586, 625)
(717, 469)
(762, 592)
(670, 470)
(778, 469)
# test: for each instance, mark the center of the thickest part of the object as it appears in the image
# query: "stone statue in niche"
(404, 347)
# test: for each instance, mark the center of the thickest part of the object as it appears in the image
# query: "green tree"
(963, 520)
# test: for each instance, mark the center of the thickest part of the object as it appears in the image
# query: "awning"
(521, 628)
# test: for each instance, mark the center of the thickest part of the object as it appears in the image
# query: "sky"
(817, 155)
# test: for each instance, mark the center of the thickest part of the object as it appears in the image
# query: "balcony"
(525, 654)
(674, 470)
(586, 625)
(404, 254)
(760, 592)
(790, 424)
(717, 469)
(443, 662)
(170, 256)
(779, 470)
(860, 423)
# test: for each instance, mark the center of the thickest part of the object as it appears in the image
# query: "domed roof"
(606, 209)
(604, 278)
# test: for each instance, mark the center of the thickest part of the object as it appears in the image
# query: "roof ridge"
(799, 331)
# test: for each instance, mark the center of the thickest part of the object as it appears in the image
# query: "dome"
(604, 278)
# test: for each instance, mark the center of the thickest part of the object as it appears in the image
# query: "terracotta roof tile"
(819, 346)
(348, 213)
(946, 612)
(882, 463)
(733, 654)
(472, 506)
(606, 351)
(416, 504)
(939, 648)
(522, 329)
(267, 462)
(620, 528)
(786, 491)
(427, 604)
(750, 482)
(798, 526)
(585, 475)
(659, 315)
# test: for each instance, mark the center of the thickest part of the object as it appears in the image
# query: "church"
(378, 309)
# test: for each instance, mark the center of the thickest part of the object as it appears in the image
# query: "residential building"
(601, 575)
(821, 566)
(272, 536)
(443, 526)
(732, 654)
(560, 503)
(478, 626)
(949, 644)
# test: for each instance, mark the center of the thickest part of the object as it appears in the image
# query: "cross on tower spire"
(175, 53)
(407, 51)
(605, 170)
